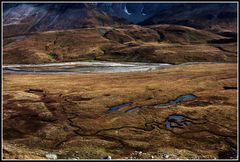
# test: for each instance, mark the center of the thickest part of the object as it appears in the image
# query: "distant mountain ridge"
(213, 16)
(171, 33)
(133, 12)
(25, 17)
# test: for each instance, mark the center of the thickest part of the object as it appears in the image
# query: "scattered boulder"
(165, 156)
(107, 157)
(51, 156)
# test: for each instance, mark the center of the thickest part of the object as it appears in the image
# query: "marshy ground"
(68, 114)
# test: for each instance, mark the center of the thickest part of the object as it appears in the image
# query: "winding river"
(83, 67)
(90, 67)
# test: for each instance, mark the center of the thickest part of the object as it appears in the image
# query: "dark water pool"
(175, 120)
(182, 98)
(117, 107)
(133, 109)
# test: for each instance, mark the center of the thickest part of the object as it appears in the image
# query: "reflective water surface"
(83, 67)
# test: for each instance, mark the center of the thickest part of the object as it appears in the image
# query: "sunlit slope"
(158, 43)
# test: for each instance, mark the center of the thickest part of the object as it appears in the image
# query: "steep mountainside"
(24, 18)
(133, 12)
(215, 17)
(48, 32)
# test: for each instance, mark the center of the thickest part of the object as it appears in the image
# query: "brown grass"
(71, 113)
(161, 43)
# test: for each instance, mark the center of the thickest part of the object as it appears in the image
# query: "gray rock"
(107, 157)
(51, 156)
(166, 156)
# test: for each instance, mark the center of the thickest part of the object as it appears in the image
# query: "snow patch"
(143, 12)
(126, 11)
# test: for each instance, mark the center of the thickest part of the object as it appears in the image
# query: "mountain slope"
(160, 43)
(24, 18)
(133, 12)
(41, 33)
(214, 17)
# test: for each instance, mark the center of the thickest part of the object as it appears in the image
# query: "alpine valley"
(119, 80)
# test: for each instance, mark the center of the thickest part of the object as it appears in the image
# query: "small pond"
(175, 120)
(117, 107)
(133, 109)
(182, 98)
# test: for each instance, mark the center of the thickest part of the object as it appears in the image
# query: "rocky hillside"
(133, 12)
(25, 18)
(43, 16)
(41, 33)
(214, 16)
